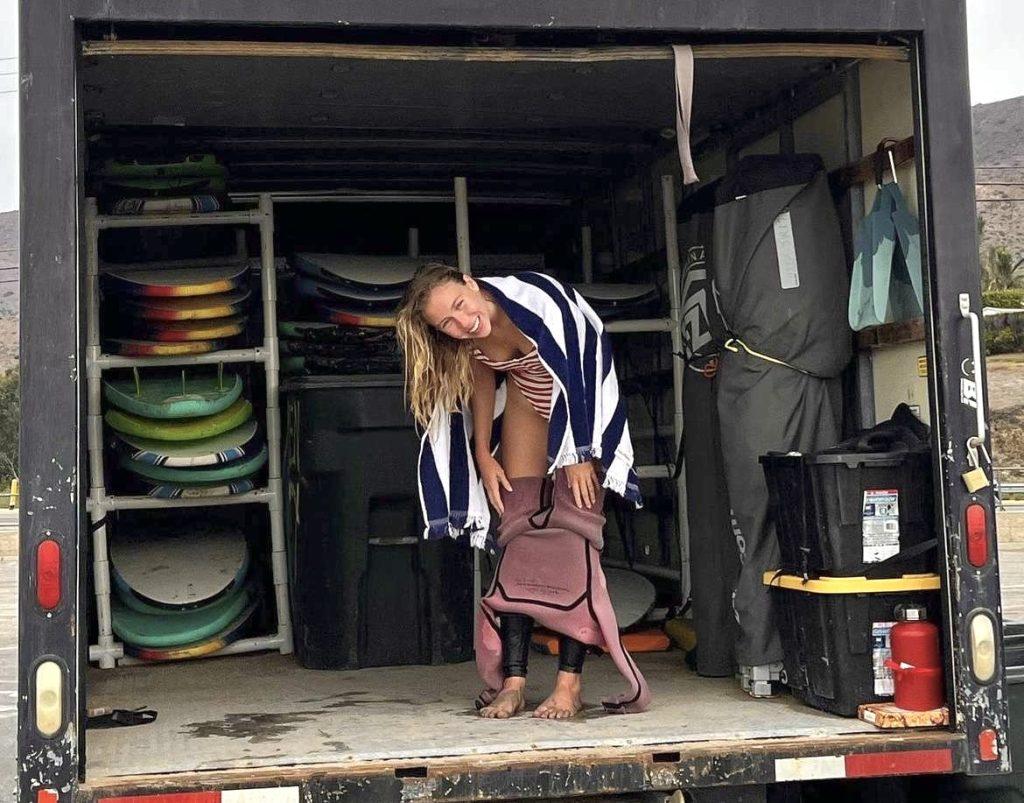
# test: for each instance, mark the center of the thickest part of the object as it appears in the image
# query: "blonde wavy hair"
(438, 368)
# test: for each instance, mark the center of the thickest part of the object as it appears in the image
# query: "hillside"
(999, 173)
(9, 288)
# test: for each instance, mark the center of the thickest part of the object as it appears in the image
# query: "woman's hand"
(583, 482)
(493, 477)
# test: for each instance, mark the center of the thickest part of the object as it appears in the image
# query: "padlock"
(975, 477)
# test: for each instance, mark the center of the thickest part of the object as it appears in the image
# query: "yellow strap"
(733, 342)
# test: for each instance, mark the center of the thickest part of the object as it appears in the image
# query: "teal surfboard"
(197, 649)
(181, 396)
(234, 470)
(181, 490)
(172, 630)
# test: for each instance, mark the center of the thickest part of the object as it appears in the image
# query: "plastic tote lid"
(911, 613)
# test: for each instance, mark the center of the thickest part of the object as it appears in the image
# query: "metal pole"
(462, 223)
(587, 253)
(279, 559)
(668, 200)
(94, 435)
(462, 244)
(414, 241)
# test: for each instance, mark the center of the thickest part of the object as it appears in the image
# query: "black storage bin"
(835, 635)
(792, 504)
(849, 513)
(366, 588)
(851, 493)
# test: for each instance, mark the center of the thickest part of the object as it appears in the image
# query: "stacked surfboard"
(348, 305)
(184, 435)
(171, 312)
(193, 184)
(182, 590)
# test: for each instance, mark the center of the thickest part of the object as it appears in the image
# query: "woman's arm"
(482, 405)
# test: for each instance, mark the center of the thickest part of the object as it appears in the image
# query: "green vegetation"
(1004, 334)
(10, 419)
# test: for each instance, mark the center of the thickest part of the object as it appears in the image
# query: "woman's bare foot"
(509, 702)
(565, 701)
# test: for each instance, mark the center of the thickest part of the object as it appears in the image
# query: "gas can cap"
(911, 613)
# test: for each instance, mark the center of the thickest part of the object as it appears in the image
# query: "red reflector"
(908, 762)
(977, 535)
(988, 745)
(47, 796)
(48, 574)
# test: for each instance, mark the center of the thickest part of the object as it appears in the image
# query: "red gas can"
(916, 660)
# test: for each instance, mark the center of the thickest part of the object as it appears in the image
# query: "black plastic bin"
(792, 504)
(851, 493)
(366, 588)
(835, 635)
(849, 513)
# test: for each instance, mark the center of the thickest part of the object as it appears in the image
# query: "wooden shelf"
(892, 334)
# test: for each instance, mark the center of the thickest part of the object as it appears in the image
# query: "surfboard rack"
(107, 652)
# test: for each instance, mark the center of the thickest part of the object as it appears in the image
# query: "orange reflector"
(977, 534)
(988, 745)
(47, 796)
(48, 574)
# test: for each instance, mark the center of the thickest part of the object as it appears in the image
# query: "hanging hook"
(885, 146)
(892, 166)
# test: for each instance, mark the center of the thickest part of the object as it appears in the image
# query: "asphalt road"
(8, 654)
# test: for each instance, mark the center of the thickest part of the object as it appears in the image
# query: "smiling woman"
(510, 327)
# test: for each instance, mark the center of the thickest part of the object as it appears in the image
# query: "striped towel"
(588, 417)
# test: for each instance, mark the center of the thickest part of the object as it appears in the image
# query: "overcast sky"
(994, 30)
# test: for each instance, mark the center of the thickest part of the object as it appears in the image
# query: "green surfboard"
(183, 429)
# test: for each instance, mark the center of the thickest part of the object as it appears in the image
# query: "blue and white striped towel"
(588, 417)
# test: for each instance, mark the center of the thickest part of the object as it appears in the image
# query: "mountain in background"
(999, 173)
(999, 134)
(9, 290)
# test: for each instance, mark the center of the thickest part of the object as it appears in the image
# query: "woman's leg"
(570, 655)
(516, 629)
(566, 700)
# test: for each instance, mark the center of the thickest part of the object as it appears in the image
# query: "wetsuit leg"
(570, 655)
(516, 629)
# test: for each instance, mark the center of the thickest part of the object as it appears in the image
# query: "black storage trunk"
(842, 513)
(366, 588)
(835, 635)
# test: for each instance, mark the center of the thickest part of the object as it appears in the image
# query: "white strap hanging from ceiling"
(683, 55)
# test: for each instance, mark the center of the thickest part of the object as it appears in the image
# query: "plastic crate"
(366, 588)
(835, 635)
(848, 513)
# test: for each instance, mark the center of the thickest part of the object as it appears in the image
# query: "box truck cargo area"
(290, 622)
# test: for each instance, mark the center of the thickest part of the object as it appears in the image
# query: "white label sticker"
(785, 250)
(880, 531)
(881, 649)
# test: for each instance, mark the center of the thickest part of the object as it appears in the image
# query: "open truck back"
(327, 112)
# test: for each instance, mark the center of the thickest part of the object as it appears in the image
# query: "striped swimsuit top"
(530, 376)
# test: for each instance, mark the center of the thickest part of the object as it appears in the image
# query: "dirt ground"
(1006, 409)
